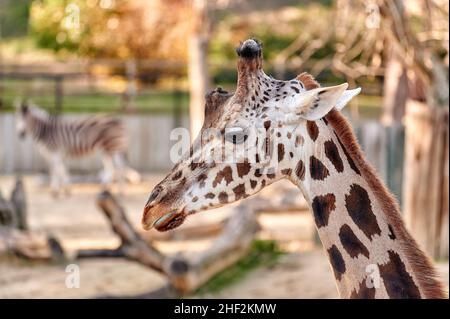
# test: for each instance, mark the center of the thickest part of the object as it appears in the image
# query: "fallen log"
(29, 245)
(16, 239)
(132, 246)
(185, 273)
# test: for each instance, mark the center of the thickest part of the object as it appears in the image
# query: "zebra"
(58, 138)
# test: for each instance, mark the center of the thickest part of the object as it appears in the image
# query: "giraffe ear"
(346, 97)
(315, 104)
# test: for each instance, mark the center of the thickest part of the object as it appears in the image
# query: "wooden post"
(130, 91)
(177, 102)
(395, 90)
(198, 68)
(426, 172)
(58, 94)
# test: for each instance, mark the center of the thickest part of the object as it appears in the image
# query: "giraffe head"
(246, 141)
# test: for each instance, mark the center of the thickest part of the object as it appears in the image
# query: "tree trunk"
(426, 173)
(395, 89)
(198, 68)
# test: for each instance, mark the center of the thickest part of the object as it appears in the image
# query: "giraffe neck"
(358, 221)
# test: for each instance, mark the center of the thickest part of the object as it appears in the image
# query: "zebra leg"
(55, 178)
(126, 172)
(64, 177)
(119, 170)
(132, 175)
(108, 170)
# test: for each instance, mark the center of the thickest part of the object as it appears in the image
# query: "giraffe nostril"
(154, 195)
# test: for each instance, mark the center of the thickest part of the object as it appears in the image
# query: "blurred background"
(150, 62)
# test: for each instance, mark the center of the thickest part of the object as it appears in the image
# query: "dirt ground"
(303, 272)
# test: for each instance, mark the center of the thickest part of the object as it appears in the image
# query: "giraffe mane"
(420, 263)
(308, 81)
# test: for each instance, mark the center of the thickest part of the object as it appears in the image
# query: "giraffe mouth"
(169, 221)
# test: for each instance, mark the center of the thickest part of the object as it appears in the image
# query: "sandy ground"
(303, 272)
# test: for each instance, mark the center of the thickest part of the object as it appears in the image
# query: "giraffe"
(268, 130)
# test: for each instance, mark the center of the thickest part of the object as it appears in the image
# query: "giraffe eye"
(235, 135)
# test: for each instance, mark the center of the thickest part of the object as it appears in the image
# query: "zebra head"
(22, 111)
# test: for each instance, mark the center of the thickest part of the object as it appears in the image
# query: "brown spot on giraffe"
(271, 175)
(299, 140)
(337, 262)
(286, 171)
(391, 232)
(210, 195)
(398, 282)
(201, 179)
(313, 130)
(359, 208)
(332, 153)
(363, 292)
(352, 245)
(239, 192)
(253, 183)
(223, 198)
(193, 165)
(243, 168)
(300, 170)
(322, 206)
(350, 161)
(317, 170)
(263, 183)
(225, 174)
(280, 152)
(177, 175)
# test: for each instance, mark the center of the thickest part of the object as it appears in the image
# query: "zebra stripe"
(74, 138)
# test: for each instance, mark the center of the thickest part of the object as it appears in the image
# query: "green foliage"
(262, 253)
(48, 29)
(124, 29)
(14, 17)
